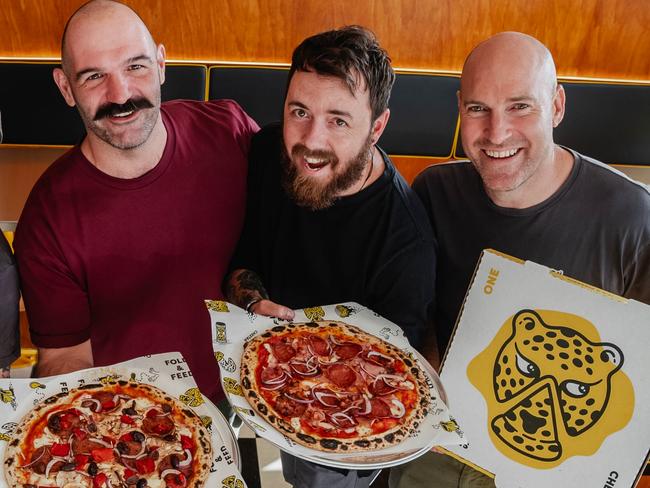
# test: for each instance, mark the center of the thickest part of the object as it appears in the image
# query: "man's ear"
(62, 82)
(160, 61)
(379, 125)
(559, 101)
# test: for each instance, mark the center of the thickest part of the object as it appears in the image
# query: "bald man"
(123, 237)
(524, 195)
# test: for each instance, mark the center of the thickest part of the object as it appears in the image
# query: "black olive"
(154, 455)
(174, 460)
(92, 427)
(54, 423)
(68, 467)
(122, 448)
(129, 411)
(170, 437)
(137, 436)
(166, 408)
(142, 483)
(92, 469)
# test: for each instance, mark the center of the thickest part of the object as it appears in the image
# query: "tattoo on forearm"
(245, 286)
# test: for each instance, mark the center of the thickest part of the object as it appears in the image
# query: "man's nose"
(118, 89)
(498, 129)
(315, 135)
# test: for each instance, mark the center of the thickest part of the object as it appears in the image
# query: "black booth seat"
(35, 113)
(609, 122)
(423, 106)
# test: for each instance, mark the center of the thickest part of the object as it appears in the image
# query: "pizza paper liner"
(232, 326)
(168, 372)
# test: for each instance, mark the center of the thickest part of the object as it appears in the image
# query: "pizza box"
(19, 395)
(549, 378)
(232, 327)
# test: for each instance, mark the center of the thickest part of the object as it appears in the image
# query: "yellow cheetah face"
(548, 387)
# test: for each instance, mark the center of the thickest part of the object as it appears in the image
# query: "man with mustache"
(123, 237)
(329, 219)
(526, 196)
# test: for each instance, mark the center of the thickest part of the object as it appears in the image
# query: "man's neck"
(126, 163)
(541, 185)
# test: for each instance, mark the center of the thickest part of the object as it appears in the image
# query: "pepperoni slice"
(379, 409)
(347, 350)
(283, 352)
(158, 425)
(341, 375)
(380, 388)
(63, 423)
(288, 408)
(319, 346)
(271, 374)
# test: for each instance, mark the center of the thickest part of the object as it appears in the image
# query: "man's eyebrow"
(134, 59)
(341, 113)
(520, 98)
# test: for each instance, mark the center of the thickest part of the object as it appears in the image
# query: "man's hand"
(63, 360)
(272, 309)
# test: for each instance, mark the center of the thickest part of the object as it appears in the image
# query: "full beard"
(309, 192)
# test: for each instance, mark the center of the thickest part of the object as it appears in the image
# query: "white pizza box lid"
(232, 327)
(549, 378)
(168, 372)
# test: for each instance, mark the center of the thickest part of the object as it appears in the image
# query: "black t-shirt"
(374, 247)
(9, 296)
(595, 228)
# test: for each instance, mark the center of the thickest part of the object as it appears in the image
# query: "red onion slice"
(35, 460)
(299, 400)
(309, 371)
(53, 461)
(399, 406)
(375, 357)
(168, 472)
(367, 406)
(187, 460)
(100, 441)
(278, 379)
(339, 416)
(320, 396)
(274, 387)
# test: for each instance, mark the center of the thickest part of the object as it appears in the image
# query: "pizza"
(125, 434)
(332, 387)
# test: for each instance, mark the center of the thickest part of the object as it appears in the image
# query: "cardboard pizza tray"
(167, 372)
(549, 378)
(232, 326)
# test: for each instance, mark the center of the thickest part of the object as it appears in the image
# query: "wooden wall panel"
(589, 38)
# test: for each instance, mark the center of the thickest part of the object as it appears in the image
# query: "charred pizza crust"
(340, 337)
(109, 435)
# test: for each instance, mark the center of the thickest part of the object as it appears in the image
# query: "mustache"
(300, 150)
(111, 109)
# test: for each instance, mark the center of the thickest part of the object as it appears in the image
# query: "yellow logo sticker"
(552, 391)
(4, 437)
(232, 482)
(34, 385)
(8, 396)
(217, 305)
(344, 311)
(192, 398)
(232, 387)
(206, 421)
(314, 313)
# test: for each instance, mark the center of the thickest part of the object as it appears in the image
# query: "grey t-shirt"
(9, 296)
(595, 228)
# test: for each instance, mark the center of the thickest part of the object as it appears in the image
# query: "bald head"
(111, 14)
(510, 54)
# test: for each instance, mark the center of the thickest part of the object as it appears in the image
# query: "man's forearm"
(244, 287)
(64, 360)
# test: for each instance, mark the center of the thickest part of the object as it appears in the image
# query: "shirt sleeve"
(638, 285)
(55, 297)
(9, 297)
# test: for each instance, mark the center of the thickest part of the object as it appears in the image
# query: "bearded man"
(329, 219)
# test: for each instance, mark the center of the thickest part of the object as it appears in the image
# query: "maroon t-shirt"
(128, 262)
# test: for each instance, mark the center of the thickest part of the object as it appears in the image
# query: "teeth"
(124, 114)
(309, 160)
(501, 154)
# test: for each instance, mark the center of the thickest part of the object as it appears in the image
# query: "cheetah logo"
(217, 305)
(192, 398)
(548, 388)
(232, 482)
(207, 422)
(314, 313)
(231, 386)
(8, 396)
(386, 333)
(344, 311)
(110, 379)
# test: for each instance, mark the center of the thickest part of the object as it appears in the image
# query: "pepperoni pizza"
(126, 434)
(333, 387)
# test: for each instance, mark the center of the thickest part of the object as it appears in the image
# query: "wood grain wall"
(589, 38)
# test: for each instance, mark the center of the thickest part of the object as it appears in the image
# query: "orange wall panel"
(589, 38)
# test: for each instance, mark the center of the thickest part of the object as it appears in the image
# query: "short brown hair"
(348, 53)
